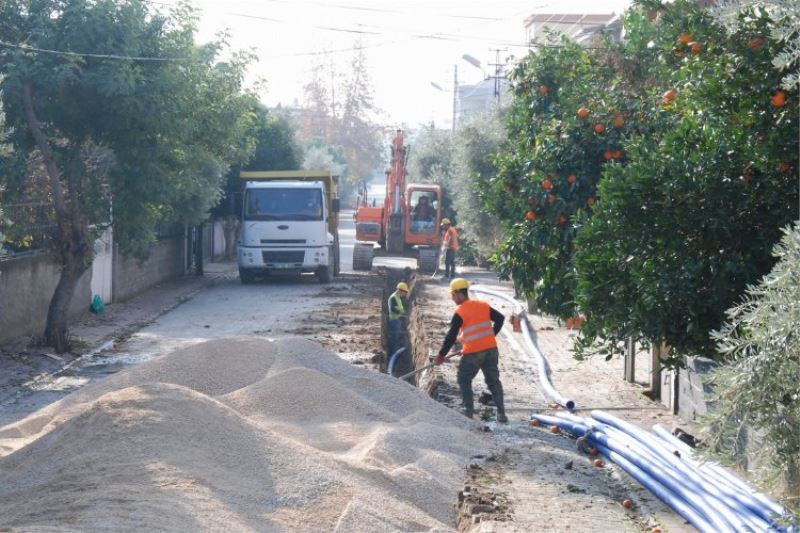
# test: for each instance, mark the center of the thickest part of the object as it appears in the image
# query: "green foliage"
(756, 389)
(786, 30)
(675, 203)
(168, 129)
(462, 164)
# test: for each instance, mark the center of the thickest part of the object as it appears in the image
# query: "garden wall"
(27, 284)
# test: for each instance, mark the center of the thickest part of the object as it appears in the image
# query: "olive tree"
(756, 387)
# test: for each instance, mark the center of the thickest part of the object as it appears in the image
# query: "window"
(283, 204)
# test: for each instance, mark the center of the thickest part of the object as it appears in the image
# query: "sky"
(411, 46)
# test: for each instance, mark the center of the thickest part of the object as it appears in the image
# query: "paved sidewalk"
(22, 366)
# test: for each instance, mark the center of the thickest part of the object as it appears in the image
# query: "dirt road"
(538, 481)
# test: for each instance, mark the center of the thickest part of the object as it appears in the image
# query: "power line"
(29, 48)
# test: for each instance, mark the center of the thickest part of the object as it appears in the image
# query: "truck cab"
(289, 225)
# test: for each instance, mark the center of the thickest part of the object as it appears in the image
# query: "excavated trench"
(414, 338)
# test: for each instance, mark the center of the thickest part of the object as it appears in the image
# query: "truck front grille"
(285, 256)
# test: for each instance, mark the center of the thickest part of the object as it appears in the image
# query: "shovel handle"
(417, 371)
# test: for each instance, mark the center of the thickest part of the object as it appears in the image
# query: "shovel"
(417, 371)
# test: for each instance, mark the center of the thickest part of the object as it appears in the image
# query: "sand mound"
(238, 434)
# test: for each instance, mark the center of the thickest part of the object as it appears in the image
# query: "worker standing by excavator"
(478, 323)
(397, 313)
(450, 245)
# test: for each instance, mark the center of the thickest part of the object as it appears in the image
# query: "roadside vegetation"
(461, 162)
(644, 183)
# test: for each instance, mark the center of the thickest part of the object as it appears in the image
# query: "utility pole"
(497, 72)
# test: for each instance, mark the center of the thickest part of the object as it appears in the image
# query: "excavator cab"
(422, 227)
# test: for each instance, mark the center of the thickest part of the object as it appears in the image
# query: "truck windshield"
(283, 204)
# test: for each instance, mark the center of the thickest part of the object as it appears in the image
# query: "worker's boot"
(501, 417)
(468, 413)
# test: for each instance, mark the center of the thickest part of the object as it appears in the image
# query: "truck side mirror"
(335, 205)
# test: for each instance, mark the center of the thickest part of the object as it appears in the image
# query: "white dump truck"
(290, 224)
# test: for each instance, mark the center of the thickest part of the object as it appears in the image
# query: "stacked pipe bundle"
(708, 496)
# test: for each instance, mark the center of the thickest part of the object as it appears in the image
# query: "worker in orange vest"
(478, 323)
(450, 245)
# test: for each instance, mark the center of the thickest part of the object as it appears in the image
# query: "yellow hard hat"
(402, 287)
(445, 221)
(458, 284)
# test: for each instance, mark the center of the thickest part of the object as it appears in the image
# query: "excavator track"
(428, 260)
(363, 254)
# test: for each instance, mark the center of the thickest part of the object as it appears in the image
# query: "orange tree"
(676, 200)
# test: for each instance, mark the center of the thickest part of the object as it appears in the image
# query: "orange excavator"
(408, 222)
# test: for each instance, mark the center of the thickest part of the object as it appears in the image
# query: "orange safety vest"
(477, 330)
(450, 238)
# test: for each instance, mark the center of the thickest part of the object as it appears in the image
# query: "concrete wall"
(27, 284)
(167, 261)
(693, 392)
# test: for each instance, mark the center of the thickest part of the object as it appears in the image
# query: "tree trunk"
(71, 239)
(230, 228)
(56, 330)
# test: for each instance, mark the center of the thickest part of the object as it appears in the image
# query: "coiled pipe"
(544, 367)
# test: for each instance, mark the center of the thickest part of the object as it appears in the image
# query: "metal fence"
(26, 227)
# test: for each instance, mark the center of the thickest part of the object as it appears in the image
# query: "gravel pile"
(240, 435)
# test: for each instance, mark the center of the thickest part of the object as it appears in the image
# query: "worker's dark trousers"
(394, 335)
(449, 263)
(485, 361)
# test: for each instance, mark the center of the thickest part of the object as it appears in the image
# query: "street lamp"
(472, 61)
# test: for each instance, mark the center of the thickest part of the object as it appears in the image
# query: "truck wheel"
(246, 276)
(336, 258)
(325, 274)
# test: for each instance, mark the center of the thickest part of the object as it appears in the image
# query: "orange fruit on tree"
(555, 430)
(685, 38)
(670, 95)
(695, 47)
(617, 154)
(778, 99)
(590, 201)
(530, 216)
(618, 122)
(551, 198)
(561, 220)
(572, 179)
(608, 154)
(583, 112)
(784, 167)
(599, 127)
(544, 89)
(627, 504)
(547, 185)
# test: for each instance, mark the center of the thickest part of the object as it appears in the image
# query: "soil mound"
(240, 435)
